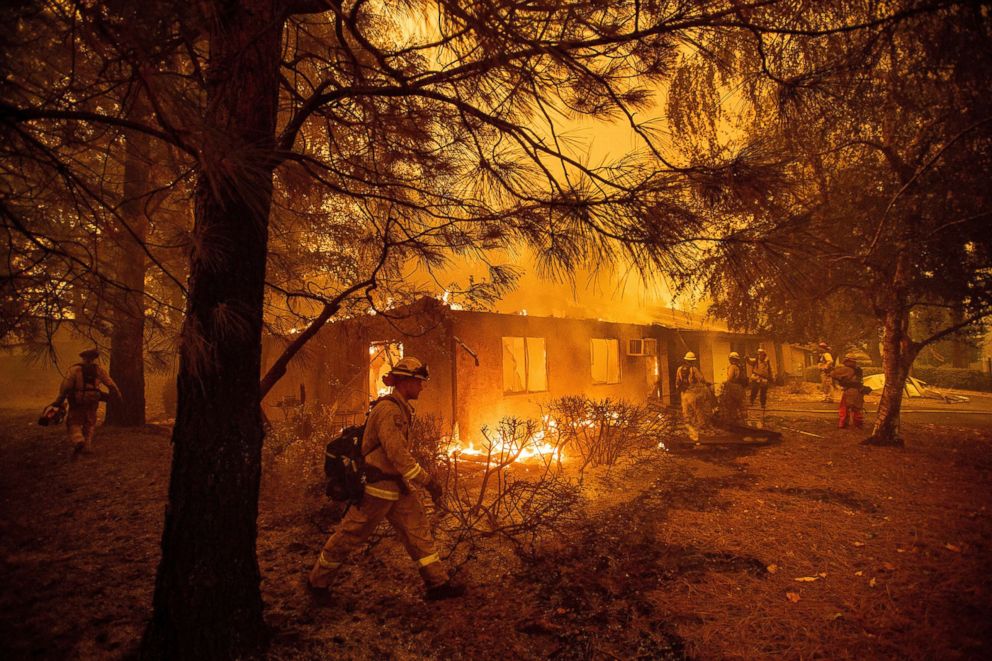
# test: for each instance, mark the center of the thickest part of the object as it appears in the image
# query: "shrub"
(951, 377)
(293, 456)
(486, 497)
(601, 432)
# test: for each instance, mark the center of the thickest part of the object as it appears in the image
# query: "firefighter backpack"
(85, 390)
(344, 462)
(344, 466)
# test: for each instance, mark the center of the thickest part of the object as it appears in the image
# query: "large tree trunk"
(127, 358)
(207, 602)
(898, 354)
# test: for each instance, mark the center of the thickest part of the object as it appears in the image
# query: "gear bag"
(344, 466)
(85, 390)
(344, 463)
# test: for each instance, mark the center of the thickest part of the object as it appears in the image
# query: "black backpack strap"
(403, 410)
(89, 374)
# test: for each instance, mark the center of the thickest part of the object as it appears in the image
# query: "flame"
(446, 301)
(500, 449)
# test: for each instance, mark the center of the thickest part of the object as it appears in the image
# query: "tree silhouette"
(886, 204)
(328, 144)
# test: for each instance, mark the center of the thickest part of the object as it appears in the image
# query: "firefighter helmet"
(410, 367)
(734, 355)
(689, 356)
(762, 350)
(89, 354)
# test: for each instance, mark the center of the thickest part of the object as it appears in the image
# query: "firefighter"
(849, 376)
(390, 468)
(697, 400)
(826, 365)
(80, 388)
(732, 409)
(761, 376)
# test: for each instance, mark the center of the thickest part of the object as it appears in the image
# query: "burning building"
(488, 365)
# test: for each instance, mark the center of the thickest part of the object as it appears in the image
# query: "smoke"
(608, 293)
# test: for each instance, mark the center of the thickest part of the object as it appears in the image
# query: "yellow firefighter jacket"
(387, 443)
(687, 376)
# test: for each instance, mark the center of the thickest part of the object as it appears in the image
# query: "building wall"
(720, 347)
(794, 359)
(331, 368)
(480, 396)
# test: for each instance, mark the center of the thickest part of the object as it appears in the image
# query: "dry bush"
(491, 497)
(293, 455)
(428, 444)
(603, 432)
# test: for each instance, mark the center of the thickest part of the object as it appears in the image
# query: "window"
(525, 364)
(605, 355)
(382, 357)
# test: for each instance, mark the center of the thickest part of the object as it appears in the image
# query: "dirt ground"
(816, 547)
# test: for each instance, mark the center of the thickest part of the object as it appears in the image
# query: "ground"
(816, 547)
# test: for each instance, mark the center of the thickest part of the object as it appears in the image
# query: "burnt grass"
(597, 589)
(686, 554)
(848, 500)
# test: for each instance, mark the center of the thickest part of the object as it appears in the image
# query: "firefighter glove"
(435, 490)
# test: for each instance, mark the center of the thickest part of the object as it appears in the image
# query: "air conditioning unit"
(646, 346)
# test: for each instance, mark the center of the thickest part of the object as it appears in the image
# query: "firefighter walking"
(761, 377)
(695, 395)
(81, 389)
(732, 407)
(390, 468)
(826, 365)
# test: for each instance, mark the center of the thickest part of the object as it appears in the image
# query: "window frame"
(611, 342)
(527, 364)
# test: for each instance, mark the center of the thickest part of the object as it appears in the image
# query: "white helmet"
(410, 367)
(689, 356)
(735, 355)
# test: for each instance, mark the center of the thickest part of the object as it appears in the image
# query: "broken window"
(525, 364)
(605, 353)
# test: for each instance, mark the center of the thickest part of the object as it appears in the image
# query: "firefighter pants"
(407, 517)
(852, 406)
(81, 423)
(759, 390)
